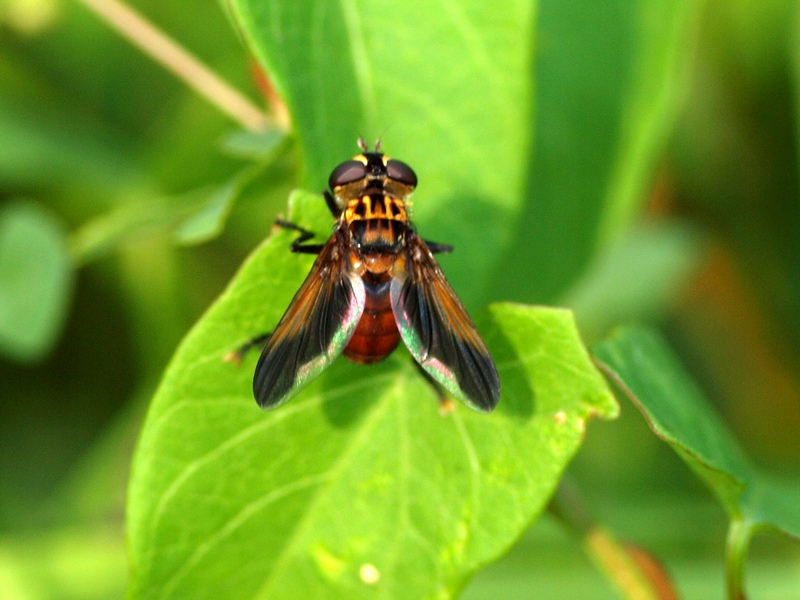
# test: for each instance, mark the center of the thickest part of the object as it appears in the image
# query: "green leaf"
(610, 77)
(105, 233)
(86, 561)
(359, 485)
(637, 278)
(29, 17)
(208, 221)
(255, 145)
(191, 218)
(35, 281)
(453, 98)
(647, 370)
(263, 148)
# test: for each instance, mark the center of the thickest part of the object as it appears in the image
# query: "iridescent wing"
(438, 331)
(315, 328)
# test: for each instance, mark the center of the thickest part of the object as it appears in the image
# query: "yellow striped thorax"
(371, 192)
(376, 206)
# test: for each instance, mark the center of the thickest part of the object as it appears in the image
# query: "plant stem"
(634, 572)
(740, 532)
(179, 61)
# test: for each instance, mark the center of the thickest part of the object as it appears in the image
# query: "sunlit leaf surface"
(358, 485)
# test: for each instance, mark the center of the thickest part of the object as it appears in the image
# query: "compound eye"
(401, 172)
(347, 172)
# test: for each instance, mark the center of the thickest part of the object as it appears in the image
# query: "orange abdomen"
(376, 334)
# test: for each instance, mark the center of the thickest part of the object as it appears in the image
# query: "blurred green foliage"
(644, 368)
(661, 185)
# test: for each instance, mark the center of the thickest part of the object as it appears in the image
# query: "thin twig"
(179, 61)
(635, 573)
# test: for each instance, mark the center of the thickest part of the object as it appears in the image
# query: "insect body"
(374, 282)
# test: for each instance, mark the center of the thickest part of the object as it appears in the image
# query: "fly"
(374, 282)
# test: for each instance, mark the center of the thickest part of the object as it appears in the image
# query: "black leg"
(305, 235)
(335, 209)
(438, 248)
(237, 355)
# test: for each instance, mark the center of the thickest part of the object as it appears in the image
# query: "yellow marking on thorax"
(376, 207)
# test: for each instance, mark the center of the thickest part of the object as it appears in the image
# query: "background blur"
(101, 151)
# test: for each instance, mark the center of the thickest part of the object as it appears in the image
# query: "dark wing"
(438, 331)
(315, 328)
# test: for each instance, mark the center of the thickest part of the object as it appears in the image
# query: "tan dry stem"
(179, 61)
